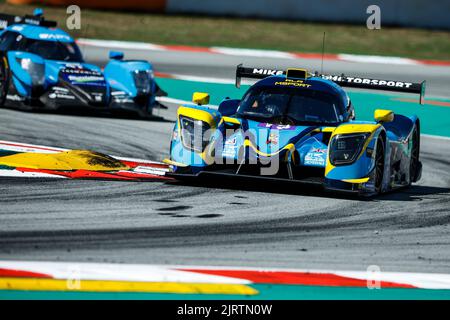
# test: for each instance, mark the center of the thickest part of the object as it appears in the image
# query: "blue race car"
(294, 126)
(41, 67)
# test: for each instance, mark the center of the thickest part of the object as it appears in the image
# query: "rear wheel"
(3, 82)
(415, 151)
(379, 165)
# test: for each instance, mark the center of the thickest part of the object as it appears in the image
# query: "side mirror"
(116, 55)
(229, 107)
(200, 98)
(381, 115)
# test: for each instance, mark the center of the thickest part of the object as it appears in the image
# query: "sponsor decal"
(319, 150)
(293, 83)
(316, 157)
(83, 76)
(51, 36)
(15, 97)
(60, 89)
(3, 24)
(374, 82)
(268, 72)
(17, 28)
(57, 95)
(98, 97)
(230, 148)
(77, 69)
(73, 66)
(32, 21)
(123, 99)
(231, 142)
(276, 126)
(118, 93)
(273, 139)
(83, 79)
(229, 152)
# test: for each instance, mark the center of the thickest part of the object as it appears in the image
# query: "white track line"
(242, 52)
(165, 273)
(116, 272)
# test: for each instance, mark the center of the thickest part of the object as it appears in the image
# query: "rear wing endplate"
(7, 20)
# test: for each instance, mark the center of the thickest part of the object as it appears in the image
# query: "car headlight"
(35, 70)
(344, 149)
(195, 134)
(142, 81)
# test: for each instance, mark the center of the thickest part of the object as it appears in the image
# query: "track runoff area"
(56, 280)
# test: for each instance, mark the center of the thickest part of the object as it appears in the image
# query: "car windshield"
(54, 50)
(292, 106)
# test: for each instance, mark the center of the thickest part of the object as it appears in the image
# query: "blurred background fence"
(406, 13)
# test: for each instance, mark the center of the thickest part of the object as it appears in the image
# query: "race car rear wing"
(7, 20)
(342, 80)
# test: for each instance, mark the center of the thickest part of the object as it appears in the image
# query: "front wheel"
(379, 166)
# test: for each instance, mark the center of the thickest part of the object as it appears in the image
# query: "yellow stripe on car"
(174, 163)
(197, 114)
(357, 181)
(349, 129)
(289, 147)
(231, 120)
(201, 115)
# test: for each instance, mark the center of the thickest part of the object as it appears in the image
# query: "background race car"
(295, 126)
(42, 67)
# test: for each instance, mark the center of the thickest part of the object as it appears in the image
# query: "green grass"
(251, 33)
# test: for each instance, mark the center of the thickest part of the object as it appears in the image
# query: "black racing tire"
(3, 81)
(379, 165)
(415, 153)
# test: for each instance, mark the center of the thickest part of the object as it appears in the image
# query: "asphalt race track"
(258, 226)
(224, 66)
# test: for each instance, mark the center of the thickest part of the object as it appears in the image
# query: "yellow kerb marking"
(231, 120)
(31, 284)
(67, 161)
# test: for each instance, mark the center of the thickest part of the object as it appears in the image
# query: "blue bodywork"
(302, 151)
(37, 78)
